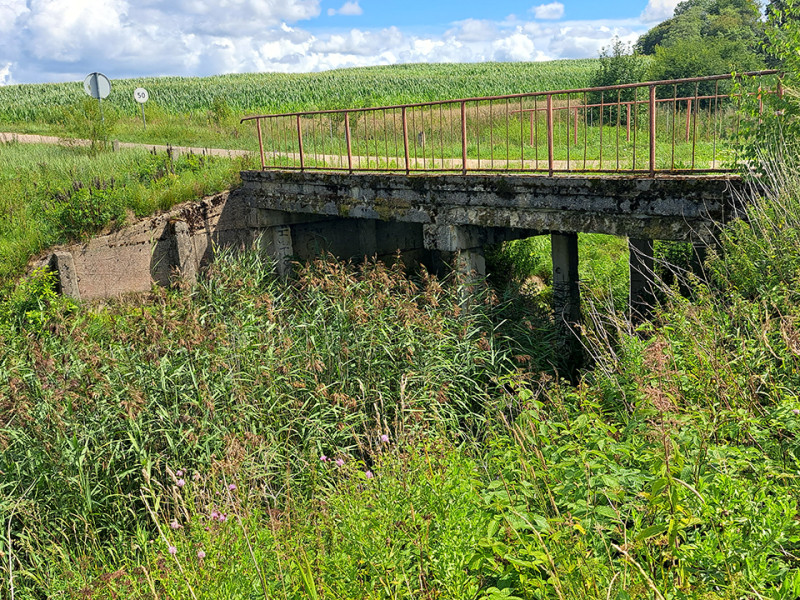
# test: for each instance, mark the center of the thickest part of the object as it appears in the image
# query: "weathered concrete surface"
(178, 243)
(153, 250)
(667, 208)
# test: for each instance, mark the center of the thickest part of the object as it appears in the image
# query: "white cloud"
(10, 11)
(554, 10)
(350, 8)
(658, 10)
(60, 40)
(5, 75)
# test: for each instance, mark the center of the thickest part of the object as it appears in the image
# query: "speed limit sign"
(140, 95)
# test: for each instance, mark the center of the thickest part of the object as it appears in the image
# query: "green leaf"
(652, 531)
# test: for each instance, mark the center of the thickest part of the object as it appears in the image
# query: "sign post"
(141, 96)
(97, 86)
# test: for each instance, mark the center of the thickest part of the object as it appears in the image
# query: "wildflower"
(231, 487)
(339, 462)
(369, 475)
(214, 515)
(323, 458)
(222, 518)
(179, 473)
(385, 438)
(796, 411)
(180, 483)
(201, 555)
(196, 476)
(173, 550)
(175, 524)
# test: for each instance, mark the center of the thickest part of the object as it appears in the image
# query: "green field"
(205, 111)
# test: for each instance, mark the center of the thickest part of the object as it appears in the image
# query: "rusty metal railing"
(680, 125)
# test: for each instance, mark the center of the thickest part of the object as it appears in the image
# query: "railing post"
(688, 117)
(550, 160)
(628, 122)
(300, 144)
(533, 115)
(464, 138)
(405, 142)
(575, 135)
(260, 145)
(347, 137)
(652, 130)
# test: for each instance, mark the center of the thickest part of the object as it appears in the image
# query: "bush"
(618, 65)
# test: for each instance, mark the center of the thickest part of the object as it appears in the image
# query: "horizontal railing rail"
(677, 125)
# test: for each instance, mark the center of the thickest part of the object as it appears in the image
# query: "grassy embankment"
(353, 433)
(173, 446)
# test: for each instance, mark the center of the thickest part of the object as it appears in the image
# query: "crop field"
(276, 92)
(206, 111)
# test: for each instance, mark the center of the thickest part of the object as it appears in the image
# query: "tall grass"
(54, 194)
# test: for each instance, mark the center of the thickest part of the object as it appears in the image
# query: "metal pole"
(652, 130)
(300, 143)
(144, 121)
(260, 144)
(405, 141)
(464, 138)
(550, 160)
(349, 143)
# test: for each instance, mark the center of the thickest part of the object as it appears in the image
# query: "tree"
(618, 65)
(706, 37)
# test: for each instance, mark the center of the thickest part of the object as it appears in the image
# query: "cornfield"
(277, 92)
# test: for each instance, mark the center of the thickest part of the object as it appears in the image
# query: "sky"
(63, 40)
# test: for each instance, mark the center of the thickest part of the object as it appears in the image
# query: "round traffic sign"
(140, 95)
(97, 85)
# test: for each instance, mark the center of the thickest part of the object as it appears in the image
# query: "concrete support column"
(459, 246)
(283, 249)
(64, 265)
(642, 297)
(187, 261)
(699, 255)
(566, 294)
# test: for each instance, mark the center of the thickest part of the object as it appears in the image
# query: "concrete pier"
(642, 296)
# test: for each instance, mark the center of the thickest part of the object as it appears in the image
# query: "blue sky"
(62, 40)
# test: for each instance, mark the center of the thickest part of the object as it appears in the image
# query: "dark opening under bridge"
(438, 181)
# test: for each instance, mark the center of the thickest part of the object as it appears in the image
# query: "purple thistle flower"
(232, 487)
(385, 438)
(179, 473)
(323, 458)
(796, 411)
(180, 483)
(201, 555)
(222, 518)
(339, 462)
(369, 475)
(214, 515)
(175, 524)
(173, 550)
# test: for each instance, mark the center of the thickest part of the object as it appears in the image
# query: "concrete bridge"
(440, 181)
(443, 220)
